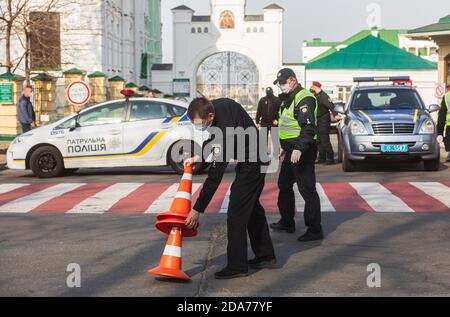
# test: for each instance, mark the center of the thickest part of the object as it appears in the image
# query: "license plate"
(394, 148)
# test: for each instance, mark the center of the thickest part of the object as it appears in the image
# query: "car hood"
(387, 115)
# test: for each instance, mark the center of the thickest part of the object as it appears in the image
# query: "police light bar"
(128, 93)
(381, 79)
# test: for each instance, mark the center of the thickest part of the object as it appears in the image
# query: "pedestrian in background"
(326, 106)
(25, 110)
(444, 122)
(268, 111)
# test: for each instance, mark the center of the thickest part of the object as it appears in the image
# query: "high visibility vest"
(447, 103)
(288, 126)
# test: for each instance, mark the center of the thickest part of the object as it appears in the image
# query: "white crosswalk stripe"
(436, 190)
(325, 203)
(5, 188)
(30, 202)
(380, 198)
(226, 202)
(165, 200)
(105, 199)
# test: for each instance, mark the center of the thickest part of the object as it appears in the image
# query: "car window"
(178, 111)
(67, 124)
(147, 110)
(386, 99)
(107, 114)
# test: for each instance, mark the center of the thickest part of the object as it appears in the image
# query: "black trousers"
(245, 213)
(323, 141)
(304, 175)
(26, 127)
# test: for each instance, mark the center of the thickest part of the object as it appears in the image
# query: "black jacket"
(228, 113)
(304, 113)
(325, 104)
(442, 119)
(25, 111)
(268, 110)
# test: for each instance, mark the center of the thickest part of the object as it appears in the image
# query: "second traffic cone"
(170, 265)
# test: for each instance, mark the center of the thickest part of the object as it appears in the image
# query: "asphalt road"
(115, 251)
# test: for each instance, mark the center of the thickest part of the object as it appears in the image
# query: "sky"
(331, 20)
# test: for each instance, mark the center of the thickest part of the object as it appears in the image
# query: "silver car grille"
(393, 128)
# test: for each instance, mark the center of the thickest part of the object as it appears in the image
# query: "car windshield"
(383, 98)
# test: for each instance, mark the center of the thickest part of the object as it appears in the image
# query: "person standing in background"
(268, 111)
(25, 110)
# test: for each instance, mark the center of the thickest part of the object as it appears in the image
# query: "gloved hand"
(440, 138)
(295, 156)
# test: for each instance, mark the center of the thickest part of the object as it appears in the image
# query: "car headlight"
(427, 127)
(21, 138)
(357, 128)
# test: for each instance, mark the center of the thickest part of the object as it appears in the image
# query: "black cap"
(144, 88)
(284, 75)
(269, 90)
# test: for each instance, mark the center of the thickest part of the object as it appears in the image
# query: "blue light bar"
(381, 79)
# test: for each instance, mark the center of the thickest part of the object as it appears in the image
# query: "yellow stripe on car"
(366, 116)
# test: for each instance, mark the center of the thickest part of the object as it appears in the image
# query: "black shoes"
(280, 227)
(227, 274)
(311, 236)
(262, 262)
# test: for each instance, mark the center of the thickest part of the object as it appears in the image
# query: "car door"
(97, 140)
(146, 131)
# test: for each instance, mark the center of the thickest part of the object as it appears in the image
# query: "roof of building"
(273, 6)
(116, 78)
(162, 66)
(390, 36)
(372, 53)
(74, 71)
(249, 18)
(97, 75)
(182, 8)
(317, 42)
(201, 18)
(11, 77)
(442, 25)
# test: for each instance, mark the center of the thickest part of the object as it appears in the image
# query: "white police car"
(121, 133)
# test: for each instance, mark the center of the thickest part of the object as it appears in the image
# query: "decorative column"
(97, 82)
(116, 85)
(11, 87)
(132, 86)
(44, 96)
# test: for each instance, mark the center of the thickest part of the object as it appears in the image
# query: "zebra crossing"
(150, 198)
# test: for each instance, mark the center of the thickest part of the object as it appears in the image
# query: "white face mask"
(285, 89)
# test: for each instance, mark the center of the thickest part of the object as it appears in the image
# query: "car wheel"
(181, 150)
(348, 165)
(47, 162)
(70, 171)
(432, 165)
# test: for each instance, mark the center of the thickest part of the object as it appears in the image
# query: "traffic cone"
(170, 265)
(181, 206)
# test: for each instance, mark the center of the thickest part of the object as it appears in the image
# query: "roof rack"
(381, 79)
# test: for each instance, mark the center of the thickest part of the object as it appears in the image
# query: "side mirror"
(75, 126)
(339, 107)
(433, 108)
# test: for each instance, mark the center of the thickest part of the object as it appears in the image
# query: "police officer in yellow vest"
(298, 139)
(444, 123)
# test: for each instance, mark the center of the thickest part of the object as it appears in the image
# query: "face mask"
(286, 89)
(202, 127)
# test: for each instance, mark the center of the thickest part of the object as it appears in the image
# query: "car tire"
(432, 165)
(348, 165)
(47, 162)
(70, 171)
(178, 166)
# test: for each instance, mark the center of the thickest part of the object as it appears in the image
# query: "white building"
(225, 54)
(111, 36)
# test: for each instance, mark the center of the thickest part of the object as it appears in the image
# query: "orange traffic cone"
(180, 208)
(170, 265)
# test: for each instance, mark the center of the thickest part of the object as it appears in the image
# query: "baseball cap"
(283, 75)
(317, 84)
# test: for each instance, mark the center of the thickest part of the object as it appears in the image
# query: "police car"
(121, 133)
(387, 121)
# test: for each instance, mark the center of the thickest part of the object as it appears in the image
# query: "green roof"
(96, 75)
(390, 36)
(317, 42)
(42, 77)
(442, 25)
(131, 85)
(116, 78)
(73, 71)
(11, 77)
(372, 53)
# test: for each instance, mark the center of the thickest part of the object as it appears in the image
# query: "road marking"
(165, 200)
(29, 202)
(5, 188)
(380, 198)
(22, 192)
(436, 190)
(105, 199)
(345, 198)
(325, 203)
(226, 202)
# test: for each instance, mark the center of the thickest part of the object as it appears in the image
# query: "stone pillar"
(11, 87)
(116, 84)
(70, 76)
(44, 96)
(97, 83)
(132, 86)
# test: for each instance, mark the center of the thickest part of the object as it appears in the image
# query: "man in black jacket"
(25, 110)
(298, 135)
(444, 122)
(245, 212)
(326, 106)
(268, 111)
